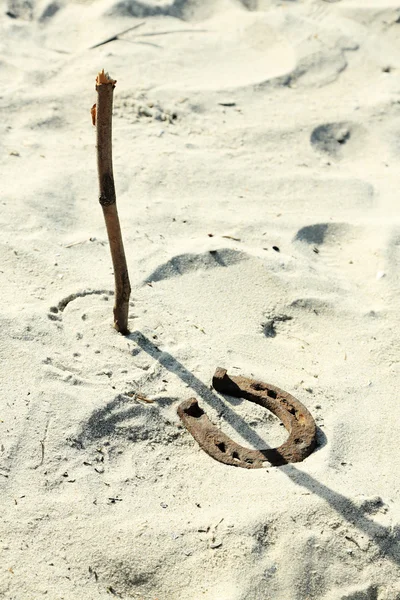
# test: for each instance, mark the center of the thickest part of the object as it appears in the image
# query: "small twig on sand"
(152, 33)
(116, 36)
(42, 446)
(102, 118)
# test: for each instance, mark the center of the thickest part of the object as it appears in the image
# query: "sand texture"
(256, 160)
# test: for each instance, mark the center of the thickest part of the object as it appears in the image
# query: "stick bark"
(102, 118)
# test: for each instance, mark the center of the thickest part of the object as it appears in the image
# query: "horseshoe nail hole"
(258, 387)
(272, 394)
(249, 461)
(194, 411)
(221, 446)
(235, 456)
(298, 441)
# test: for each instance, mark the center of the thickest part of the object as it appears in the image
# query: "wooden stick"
(102, 118)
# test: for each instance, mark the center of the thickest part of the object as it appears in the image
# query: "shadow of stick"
(173, 365)
(387, 539)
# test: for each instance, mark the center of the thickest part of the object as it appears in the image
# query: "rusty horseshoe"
(293, 414)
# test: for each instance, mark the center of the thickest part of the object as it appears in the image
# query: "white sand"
(103, 494)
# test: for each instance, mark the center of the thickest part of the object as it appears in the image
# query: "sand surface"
(239, 126)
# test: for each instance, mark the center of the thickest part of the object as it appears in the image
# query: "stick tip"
(103, 77)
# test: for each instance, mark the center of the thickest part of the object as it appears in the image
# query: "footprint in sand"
(321, 233)
(180, 9)
(337, 139)
(350, 254)
(21, 9)
(124, 417)
(187, 263)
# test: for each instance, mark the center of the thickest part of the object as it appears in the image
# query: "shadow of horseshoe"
(294, 415)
